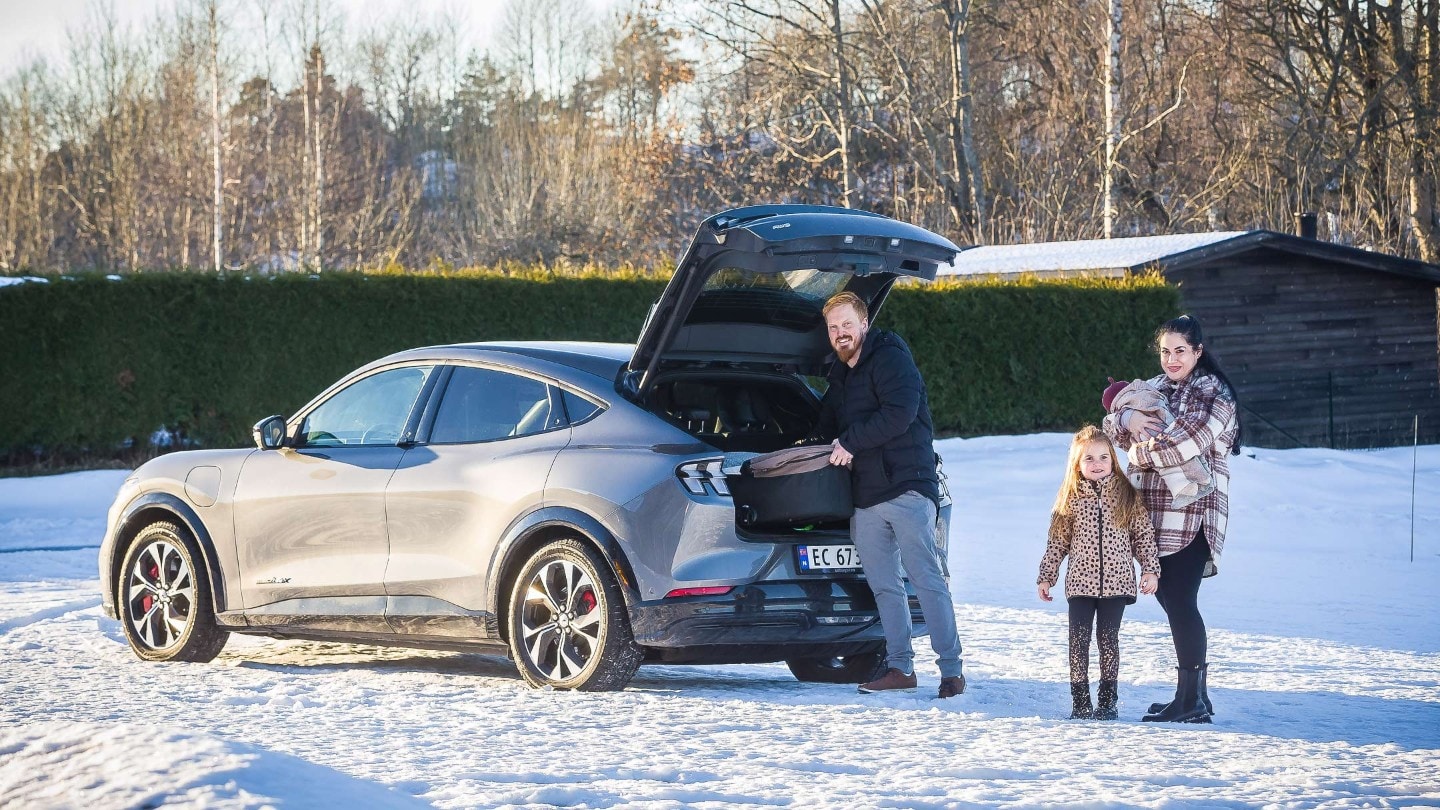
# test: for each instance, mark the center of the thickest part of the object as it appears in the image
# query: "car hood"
(749, 288)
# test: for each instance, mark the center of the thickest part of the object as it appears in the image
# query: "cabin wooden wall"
(1323, 354)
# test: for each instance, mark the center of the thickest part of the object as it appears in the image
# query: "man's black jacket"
(878, 411)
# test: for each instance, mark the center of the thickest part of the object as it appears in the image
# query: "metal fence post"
(1330, 399)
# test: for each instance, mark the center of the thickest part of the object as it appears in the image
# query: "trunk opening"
(736, 411)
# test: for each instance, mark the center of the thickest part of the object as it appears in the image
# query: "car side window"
(482, 404)
(579, 408)
(370, 411)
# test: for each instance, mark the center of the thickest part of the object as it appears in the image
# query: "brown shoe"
(892, 681)
(950, 687)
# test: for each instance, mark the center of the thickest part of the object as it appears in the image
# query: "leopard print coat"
(1100, 549)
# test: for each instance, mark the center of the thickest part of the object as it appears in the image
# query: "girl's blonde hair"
(1130, 505)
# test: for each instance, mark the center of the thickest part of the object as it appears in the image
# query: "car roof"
(602, 360)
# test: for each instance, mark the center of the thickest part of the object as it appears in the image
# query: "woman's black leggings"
(1083, 612)
(1180, 575)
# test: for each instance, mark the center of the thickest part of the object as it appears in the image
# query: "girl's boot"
(1107, 700)
(1080, 696)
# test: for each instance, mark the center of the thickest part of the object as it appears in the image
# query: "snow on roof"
(1081, 255)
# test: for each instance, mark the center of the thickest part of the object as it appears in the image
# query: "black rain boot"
(1080, 697)
(1186, 707)
(1107, 699)
(1156, 708)
(1205, 692)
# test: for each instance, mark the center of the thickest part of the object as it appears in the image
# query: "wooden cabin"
(1329, 345)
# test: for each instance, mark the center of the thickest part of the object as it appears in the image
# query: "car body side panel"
(310, 524)
(140, 512)
(621, 465)
(447, 507)
(159, 491)
(569, 520)
(688, 541)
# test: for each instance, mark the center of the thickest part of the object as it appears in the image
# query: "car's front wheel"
(165, 604)
(838, 669)
(568, 627)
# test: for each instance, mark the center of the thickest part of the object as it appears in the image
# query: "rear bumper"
(816, 613)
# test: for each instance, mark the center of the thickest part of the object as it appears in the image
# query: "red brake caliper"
(149, 599)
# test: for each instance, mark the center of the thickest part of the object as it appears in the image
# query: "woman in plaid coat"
(1191, 538)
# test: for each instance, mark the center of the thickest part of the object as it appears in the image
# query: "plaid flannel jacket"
(1205, 427)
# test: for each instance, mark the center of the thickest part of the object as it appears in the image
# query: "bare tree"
(796, 56)
(27, 230)
(1113, 22)
(1353, 84)
(581, 138)
(962, 116)
(546, 44)
(212, 18)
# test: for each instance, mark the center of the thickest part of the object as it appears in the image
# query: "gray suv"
(563, 503)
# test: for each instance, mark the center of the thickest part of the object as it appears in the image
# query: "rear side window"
(579, 408)
(482, 405)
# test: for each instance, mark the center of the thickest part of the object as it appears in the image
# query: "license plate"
(827, 558)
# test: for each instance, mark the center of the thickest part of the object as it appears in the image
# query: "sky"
(1324, 673)
(30, 29)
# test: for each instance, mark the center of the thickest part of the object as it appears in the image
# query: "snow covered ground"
(1325, 650)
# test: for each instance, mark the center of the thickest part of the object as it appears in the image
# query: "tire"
(857, 668)
(568, 627)
(164, 598)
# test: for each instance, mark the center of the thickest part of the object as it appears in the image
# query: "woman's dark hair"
(1188, 327)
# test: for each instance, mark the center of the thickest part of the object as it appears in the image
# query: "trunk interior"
(743, 412)
(737, 411)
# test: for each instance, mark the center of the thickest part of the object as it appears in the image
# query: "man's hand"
(839, 456)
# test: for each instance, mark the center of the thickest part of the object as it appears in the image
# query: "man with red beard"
(876, 416)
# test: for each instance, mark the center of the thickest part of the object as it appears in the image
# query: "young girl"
(1098, 522)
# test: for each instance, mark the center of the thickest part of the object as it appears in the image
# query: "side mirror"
(269, 432)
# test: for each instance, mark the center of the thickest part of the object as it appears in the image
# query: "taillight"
(709, 590)
(703, 477)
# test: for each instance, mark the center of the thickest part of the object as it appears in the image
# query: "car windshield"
(790, 298)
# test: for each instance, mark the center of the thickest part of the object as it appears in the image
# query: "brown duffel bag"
(790, 488)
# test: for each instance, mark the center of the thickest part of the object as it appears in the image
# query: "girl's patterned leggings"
(1084, 611)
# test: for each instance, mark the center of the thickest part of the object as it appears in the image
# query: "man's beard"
(848, 352)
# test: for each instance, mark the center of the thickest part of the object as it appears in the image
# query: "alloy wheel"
(561, 621)
(160, 590)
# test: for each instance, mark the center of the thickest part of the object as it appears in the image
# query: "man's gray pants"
(901, 531)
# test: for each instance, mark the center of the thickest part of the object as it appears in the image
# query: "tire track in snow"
(46, 614)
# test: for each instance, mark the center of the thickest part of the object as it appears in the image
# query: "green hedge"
(1020, 357)
(90, 364)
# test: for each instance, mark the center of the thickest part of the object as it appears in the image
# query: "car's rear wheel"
(164, 595)
(857, 668)
(568, 625)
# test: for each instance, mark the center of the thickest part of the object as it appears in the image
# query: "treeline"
(278, 136)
